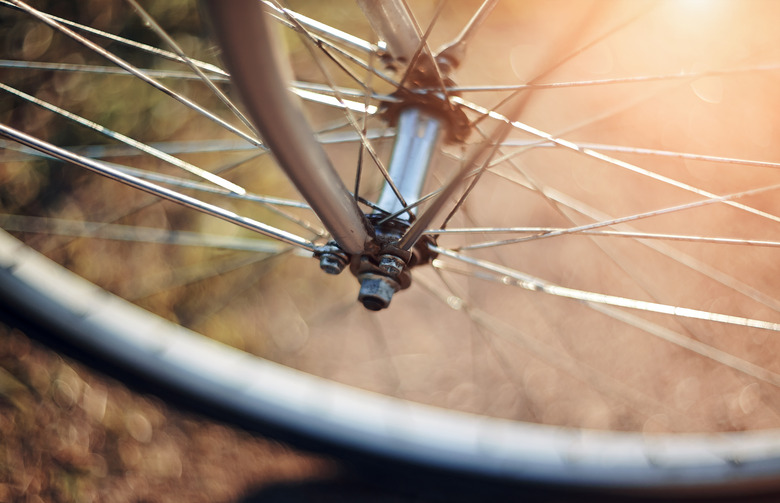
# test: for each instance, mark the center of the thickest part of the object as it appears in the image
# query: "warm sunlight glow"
(704, 10)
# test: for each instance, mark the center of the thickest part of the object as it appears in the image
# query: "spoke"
(347, 111)
(524, 145)
(104, 70)
(488, 149)
(334, 101)
(22, 153)
(422, 47)
(531, 283)
(686, 342)
(188, 184)
(364, 94)
(475, 179)
(301, 24)
(317, 28)
(128, 141)
(698, 347)
(454, 52)
(610, 160)
(452, 297)
(620, 234)
(552, 356)
(182, 183)
(616, 80)
(117, 232)
(630, 218)
(658, 246)
(529, 144)
(364, 131)
(189, 275)
(430, 195)
(131, 43)
(307, 90)
(133, 70)
(521, 100)
(149, 20)
(679, 155)
(592, 13)
(114, 174)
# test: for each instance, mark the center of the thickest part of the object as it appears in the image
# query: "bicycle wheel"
(609, 268)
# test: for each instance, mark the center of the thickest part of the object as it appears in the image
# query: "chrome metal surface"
(115, 174)
(320, 29)
(452, 54)
(416, 140)
(393, 24)
(241, 25)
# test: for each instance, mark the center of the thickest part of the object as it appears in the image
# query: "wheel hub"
(385, 271)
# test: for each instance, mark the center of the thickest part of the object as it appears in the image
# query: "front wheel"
(603, 268)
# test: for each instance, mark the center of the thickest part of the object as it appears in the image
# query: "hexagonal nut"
(332, 263)
(376, 291)
(391, 264)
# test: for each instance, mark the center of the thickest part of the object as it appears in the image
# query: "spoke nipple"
(376, 291)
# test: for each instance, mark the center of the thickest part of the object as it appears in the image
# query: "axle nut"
(376, 291)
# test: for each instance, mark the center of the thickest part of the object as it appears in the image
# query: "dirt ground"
(69, 434)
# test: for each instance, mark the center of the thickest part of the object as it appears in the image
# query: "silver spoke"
(110, 172)
(363, 94)
(309, 39)
(681, 155)
(526, 144)
(422, 48)
(531, 283)
(363, 132)
(610, 160)
(105, 70)
(631, 218)
(188, 184)
(134, 233)
(14, 152)
(658, 246)
(455, 50)
(552, 356)
(309, 91)
(320, 29)
(336, 101)
(149, 20)
(616, 80)
(325, 35)
(676, 338)
(133, 70)
(131, 43)
(620, 234)
(143, 147)
(189, 275)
